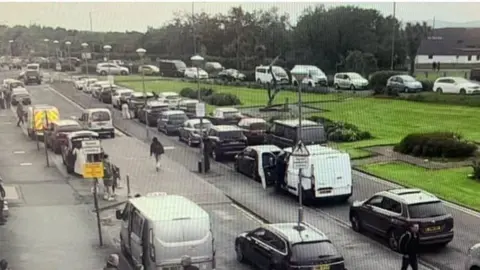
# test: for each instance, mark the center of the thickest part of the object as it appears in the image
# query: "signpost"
(111, 79)
(200, 110)
(45, 129)
(86, 56)
(93, 170)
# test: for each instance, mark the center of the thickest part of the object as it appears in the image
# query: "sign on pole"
(86, 55)
(58, 67)
(300, 156)
(200, 109)
(111, 79)
(93, 170)
(91, 147)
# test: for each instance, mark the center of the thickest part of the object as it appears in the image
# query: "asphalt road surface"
(359, 250)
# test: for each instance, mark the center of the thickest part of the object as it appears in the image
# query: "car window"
(315, 134)
(231, 135)
(258, 233)
(375, 201)
(391, 205)
(279, 130)
(427, 210)
(312, 251)
(137, 223)
(100, 116)
(258, 126)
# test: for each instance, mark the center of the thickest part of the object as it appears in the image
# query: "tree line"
(340, 38)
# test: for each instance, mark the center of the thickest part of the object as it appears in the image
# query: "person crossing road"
(157, 150)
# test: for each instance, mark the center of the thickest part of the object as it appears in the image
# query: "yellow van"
(38, 118)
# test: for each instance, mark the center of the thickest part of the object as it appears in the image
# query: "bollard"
(426, 74)
(128, 186)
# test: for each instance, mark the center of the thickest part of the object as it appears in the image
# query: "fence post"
(128, 186)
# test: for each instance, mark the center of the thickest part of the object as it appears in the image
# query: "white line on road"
(26, 164)
(247, 214)
(19, 152)
(169, 147)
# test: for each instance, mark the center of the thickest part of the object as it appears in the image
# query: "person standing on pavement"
(113, 262)
(4, 265)
(187, 263)
(156, 149)
(3, 195)
(2, 100)
(125, 111)
(8, 99)
(408, 246)
(107, 179)
(20, 114)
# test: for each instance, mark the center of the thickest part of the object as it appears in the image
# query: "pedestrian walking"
(8, 99)
(408, 246)
(107, 179)
(113, 262)
(3, 195)
(2, 100)
(157, 150)
(434, 66)
(20, 114)
(116, 179)
(125, 111)
(187, 263)
(4, 265)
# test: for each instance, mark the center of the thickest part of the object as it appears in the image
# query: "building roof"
(289, 231)
(451, 41)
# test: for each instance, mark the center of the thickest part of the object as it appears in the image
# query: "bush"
(187, 92)
(378, 79)
(223, 99)
(427, 86)
(476, 169)
(340, 131)
(435, 144)
(92, 68)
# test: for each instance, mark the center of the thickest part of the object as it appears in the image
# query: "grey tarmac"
(449, 258)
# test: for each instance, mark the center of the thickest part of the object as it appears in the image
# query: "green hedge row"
(341, 131)
(436, 144)
(453, 99)
(211, 97)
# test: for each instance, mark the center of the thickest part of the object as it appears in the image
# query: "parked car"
(191, 131)
(255, 161)
(254, 129)
(225, 116)
(473, 258)
(88, 83)
(170, 98)
(170, 121)
(349, 80)
(32, 76)
(10, 84)
(213, 68)
(136, 101)
(189, 106)
(288, 246)
(231, 75)
(152, 112)
(58, 132)
(96, 87)
(284, 133)
(172, 68)
(111, 69)
(106, 93)
(313, 75)
(263, 76)
(98, 120)
(404, 83)
(388, 213)
(456, 85)
(119, 97)
(225, 140)
(20, 94)
(80, 82)
(149, 70)
(193, 73)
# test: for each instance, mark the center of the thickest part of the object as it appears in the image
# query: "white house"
(450, 45)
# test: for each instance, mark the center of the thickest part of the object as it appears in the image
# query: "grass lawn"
(452, 184)
(431, 75)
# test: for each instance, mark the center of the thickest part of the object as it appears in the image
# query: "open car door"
(269, 171)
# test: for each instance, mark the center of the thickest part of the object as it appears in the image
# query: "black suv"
(288, 246)
(225, 140)
(389, 212)
(284, 133)
(32, 76)
(172, 68)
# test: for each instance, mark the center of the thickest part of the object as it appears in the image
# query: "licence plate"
(433, 229)
(32, 77)
(322, 267)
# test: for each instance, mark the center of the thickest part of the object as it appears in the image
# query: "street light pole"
(55, 42)
(11, 49)
(394, 30)
(48, 51)
(197, 61)
(107, 49)
(85, 46)
(68, 43)
(141, 52)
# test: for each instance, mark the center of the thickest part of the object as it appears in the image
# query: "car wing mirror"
(118, 214)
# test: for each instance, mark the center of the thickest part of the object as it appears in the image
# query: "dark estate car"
(172, 68)
(231, 75)
(191, 131)
(32, 76)
(151, 112)
(136, 101)
(389, 212)
(404, 83)
(284, 133)
(170, 121)
(225, 140)
(20, 95)
(257, 159)
(58, 132)
(105, 94)
(254, 129)
(287, 246)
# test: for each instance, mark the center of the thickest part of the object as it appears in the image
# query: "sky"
(111, 16)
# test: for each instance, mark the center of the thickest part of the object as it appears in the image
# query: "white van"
(163, 228)
(262, 76)
(98, 120)
(33, 67)
(314, 75)
(329, 174)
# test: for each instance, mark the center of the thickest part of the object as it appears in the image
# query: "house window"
(430, 56)
(469, 58)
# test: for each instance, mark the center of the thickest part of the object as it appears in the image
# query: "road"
(275, 208)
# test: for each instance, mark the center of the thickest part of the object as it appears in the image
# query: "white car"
(148, 69)
(171, 98)
(349, 80)
(80, 82)
(473, 258)
(88, 83)
(263, 76)
(111, 69)
(456, 85)
(313, 75)
(116, 96)
(96, 87)
(192, 73)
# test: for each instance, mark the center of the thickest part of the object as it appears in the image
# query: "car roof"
(189, 101)
(296, 122)
(97, 110)
(172, 112)
(409, 195)
(140, 94)
(66, 122)
(453, 78)
(290, 232)
(265, 148)
(165, 94)
(166, 207)
(156, 103)
(227, 109)
(19, 90)
(82, 133)
(248, 121)
(316, 150)
(197, 121)
(226, 128)
(124, 90)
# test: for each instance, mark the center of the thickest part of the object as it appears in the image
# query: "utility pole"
(394, 30)
(193, 30)
(91, 24)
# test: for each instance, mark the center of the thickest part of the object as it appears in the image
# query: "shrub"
(92, 68)
(435, 144)
(427, 86)
(223, 99)
(378, 79)
(187, 92)
(340, 131)
(476, 169)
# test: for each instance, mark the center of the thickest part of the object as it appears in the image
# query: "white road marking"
(11, 192)
(247, 214)
(169, 147)
(19, 152)
(26, 164)
(224, 215)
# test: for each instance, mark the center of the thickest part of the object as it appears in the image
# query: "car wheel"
(475, 268)
(310, 84)
(352, 87)
(189, 142)
(123, 73)
(216, 156)
(439, 90)
(112, 135)
(336, 86)
(463, 92)
(103, 73)
(405, 90)
(356, 223)
(392, 240)
(239, 253)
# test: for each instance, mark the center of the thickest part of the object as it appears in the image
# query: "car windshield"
(426, 210)
(305, 252)
(462, 80)
(408, 79)
(180, 65)
(231, 135)
(126, 94)
(279, 71)
(159, 108)
(69, 128)
(100, 116)
(216, 65)
(355, 76)
(313, 135)
(17, 84)
(258, 126)
(203, 125)
(316, 72)
(177, 119)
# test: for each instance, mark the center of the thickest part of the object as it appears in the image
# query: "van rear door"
(333, 174)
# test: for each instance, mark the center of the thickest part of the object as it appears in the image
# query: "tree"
(414, 34)
(362, 63)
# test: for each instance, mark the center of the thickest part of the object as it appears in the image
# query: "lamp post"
(141, 53)
(68, 43)
(48, 51)
(107, 49)
(197, 61)
(11, 43)
(85, 46)
(55, 42)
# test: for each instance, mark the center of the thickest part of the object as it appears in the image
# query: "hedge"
(436, 144)
(341, 131)
(211, 97)
(476, 169)
(453, 99)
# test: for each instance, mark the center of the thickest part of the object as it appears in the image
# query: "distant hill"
(444, 24)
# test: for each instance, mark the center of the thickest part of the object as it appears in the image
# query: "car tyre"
(439, 90)
(337, 87)
(392, 240)
(406, 90)
(352, 87)
(123, 73)
(356, 223)
(103, 73)
(474, 268)
(189, 142)
(239, 253)
(463, 92)
(216, 156)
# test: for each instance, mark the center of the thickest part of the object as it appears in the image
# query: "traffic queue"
(263, 151)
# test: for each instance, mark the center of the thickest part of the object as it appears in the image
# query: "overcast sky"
(111, 16)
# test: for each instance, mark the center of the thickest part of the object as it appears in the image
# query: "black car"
(136, 101)
(231, 75)
(225, 140)
(257, 161)
(172, 68)
(32, 76)
(254, 129)
(284, 133)
(388, 213)
(287, 246)
(151, 112)
(105, 94)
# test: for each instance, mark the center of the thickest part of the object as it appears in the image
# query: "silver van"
(164, 228)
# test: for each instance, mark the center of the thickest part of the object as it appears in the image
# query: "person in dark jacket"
(156, 149)
(187, 263)
(20, 114)
(4, 265)
(107, 179)
(2, 202)
(408, 246)
(113, 261)
(8, 99)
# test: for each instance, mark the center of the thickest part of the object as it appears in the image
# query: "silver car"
(111, 69)
(473, 258)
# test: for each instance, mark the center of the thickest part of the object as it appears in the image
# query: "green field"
(431, 75)
(452, 184)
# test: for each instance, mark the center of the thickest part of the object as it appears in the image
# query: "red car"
(58, 131)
